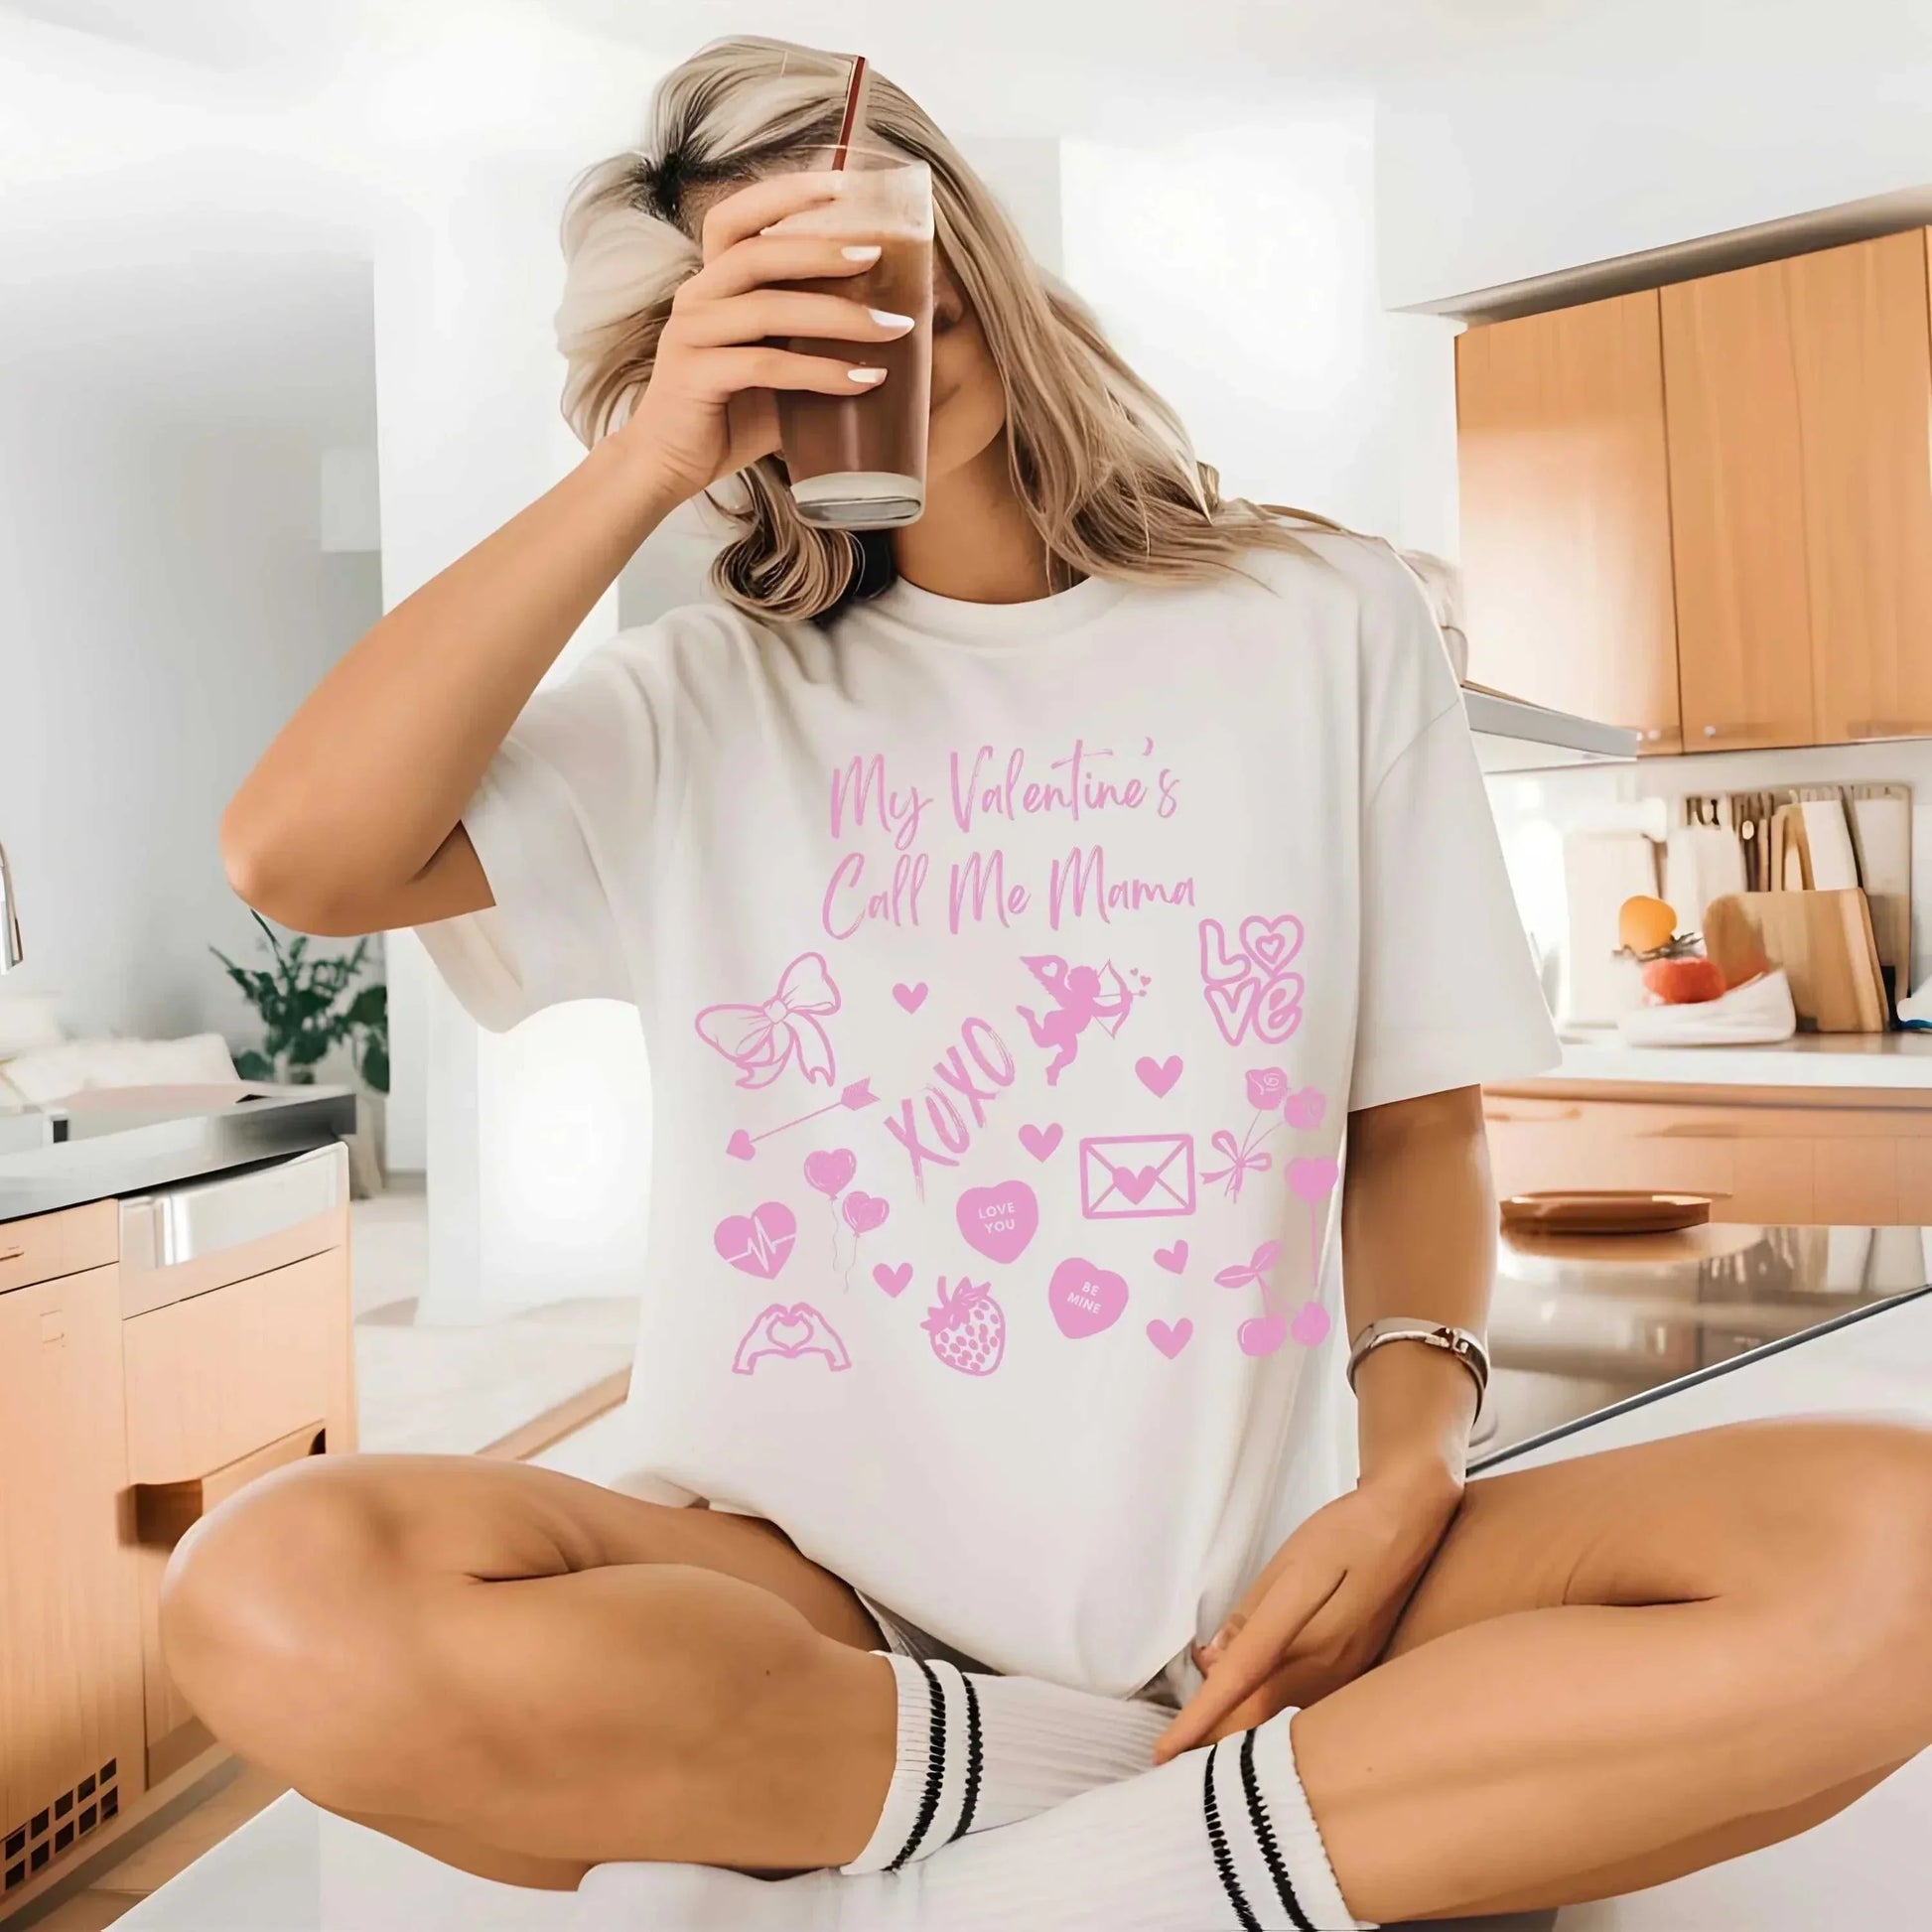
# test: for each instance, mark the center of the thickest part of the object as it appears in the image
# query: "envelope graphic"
(1136, 1176)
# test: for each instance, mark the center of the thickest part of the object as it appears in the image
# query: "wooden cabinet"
(1565, 513)
(1862, 350)
(1829, 1160)
(70, 1753)
(1738, 525)
(1710, 504)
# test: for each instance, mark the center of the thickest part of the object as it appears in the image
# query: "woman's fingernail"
(885, 319)
(867, 251)
(867, 376)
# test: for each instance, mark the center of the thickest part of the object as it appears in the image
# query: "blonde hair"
(1101, 463)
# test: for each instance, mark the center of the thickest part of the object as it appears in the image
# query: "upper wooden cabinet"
(1565, 513)
(1864, 358)
(1743, 628)
(1719, 491)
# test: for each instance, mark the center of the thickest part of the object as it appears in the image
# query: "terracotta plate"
(1612, 1210)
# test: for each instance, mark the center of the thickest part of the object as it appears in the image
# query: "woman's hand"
(709, 407)
(1324, 1610)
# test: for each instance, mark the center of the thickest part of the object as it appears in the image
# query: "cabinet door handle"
(164, 1512)
(1534, 1120)
(11, 1254)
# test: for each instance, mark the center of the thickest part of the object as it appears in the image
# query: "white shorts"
(1171, 1689)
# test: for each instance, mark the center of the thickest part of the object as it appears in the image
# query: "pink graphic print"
(863, 1212)
(1304, 1109)
(998, 1221)
(1313, 1180)
(1085, 1299)
(762, 1040)
(1136, 1176)
(1040, 1141)
(1171, 1340)
(967, 1327)
(1267, 1090)
(790, 1332)
(1265, 1332)
(894, 1281)
(1267, 1087)
(1248, 987)
(829, 1170)
(909, 997)
(1082, 996)
(757, 1243)
(1158, 1076)
(1310, 1324)
(1173, 1259)
(744, 1147)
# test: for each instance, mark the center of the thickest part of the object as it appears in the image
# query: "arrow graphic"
(744, 1147)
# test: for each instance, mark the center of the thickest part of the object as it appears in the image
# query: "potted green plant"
(310, 1004)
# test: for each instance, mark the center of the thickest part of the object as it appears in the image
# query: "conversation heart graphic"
(1158, 1076)
(1171, 1340)
(1262, 1335)
(864, 1212)
(911, 998)
(1084, 1299)
(829, 1170)
(757, 1243)
(1310, 1324)
(1000, 1221)
(893, 1279)
(1173, 1259)
(1040, 1141)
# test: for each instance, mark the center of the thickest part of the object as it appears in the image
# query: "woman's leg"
(524, 1674)
(1625, 1667)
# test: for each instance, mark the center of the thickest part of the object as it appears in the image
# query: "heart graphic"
(911, 998)
(1311, 1178)
(1263, 1335)
(1171, 1341)
(1040, 1141)
(893, 1279)
(1135, 1184)
(740, 1146)
(830, 1168)
(1085, 1299)
(1272, 943)
(758, 1242)
(1000, 1221)
(1304, 1108)
(1310, 1324)
(864, 1212)
(1173, 1259)
(1158, 1076)
(789, 1330)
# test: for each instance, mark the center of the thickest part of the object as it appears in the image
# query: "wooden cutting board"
(1824, 942)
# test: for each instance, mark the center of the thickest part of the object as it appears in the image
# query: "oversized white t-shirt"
(1009, 973)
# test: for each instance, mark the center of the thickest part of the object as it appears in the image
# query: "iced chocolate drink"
(858, 462)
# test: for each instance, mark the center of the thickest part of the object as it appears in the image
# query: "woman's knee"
(286, 1622)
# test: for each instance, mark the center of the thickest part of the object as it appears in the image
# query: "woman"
(1017, 907)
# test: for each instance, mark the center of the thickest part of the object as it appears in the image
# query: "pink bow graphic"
(1241, 1162)
(762, 1040)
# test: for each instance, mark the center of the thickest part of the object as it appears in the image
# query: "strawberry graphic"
(968, 1329)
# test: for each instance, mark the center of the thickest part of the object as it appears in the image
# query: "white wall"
(1237, 272)
(1517, 167)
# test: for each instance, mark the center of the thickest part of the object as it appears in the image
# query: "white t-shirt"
(1007, 974)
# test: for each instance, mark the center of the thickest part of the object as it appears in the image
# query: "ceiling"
(1102, 66)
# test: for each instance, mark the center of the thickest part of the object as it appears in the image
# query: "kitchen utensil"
(1828, 844)
(1791, 857)
(1605, 1211)
(1601, 870)
(1882, 831)
(1824, 942)
(1731, 940)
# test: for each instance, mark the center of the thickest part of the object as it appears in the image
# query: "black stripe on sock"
(935, 1767)
(1271, 1852)
(1217, 1841)
(970, 1803)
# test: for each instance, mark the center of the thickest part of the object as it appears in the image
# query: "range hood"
(1512, 736)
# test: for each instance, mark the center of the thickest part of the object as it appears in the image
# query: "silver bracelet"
(1467, 1348)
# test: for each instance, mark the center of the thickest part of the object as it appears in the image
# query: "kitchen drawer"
(44, 1247)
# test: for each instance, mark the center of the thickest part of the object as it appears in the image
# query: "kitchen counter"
(101, 1145)
(1899, 1060)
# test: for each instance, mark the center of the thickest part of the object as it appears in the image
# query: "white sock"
(1149, 1854)
(978, 1751)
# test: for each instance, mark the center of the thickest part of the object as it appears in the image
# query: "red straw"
(854, 89)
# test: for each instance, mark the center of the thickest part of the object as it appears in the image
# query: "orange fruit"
(1644, 925)
(1682, 981)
